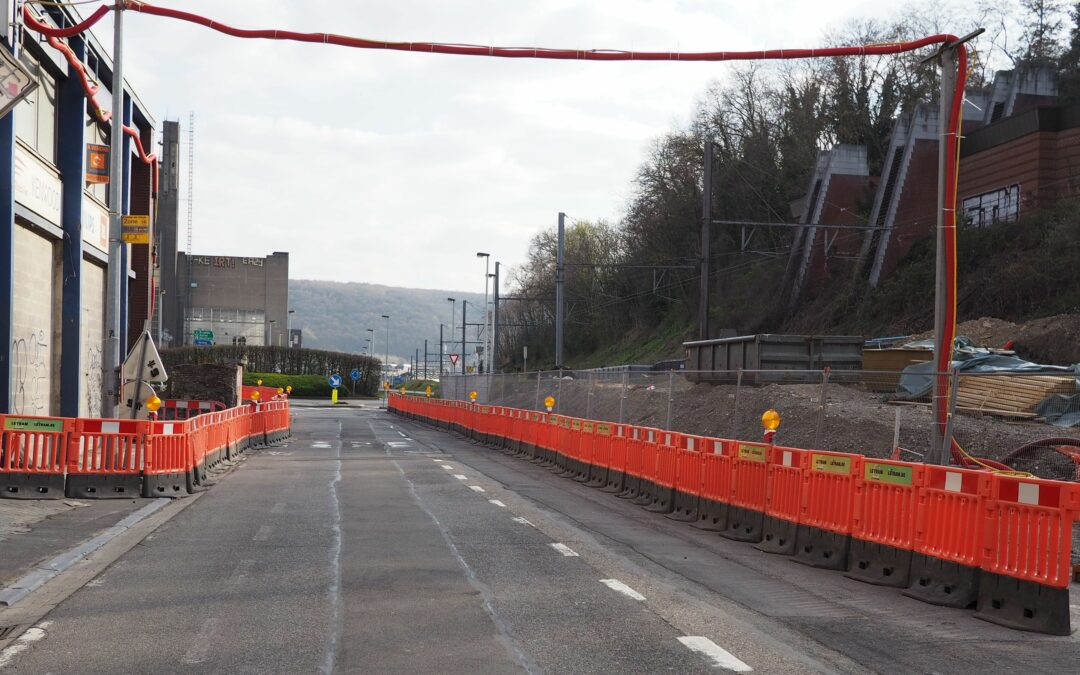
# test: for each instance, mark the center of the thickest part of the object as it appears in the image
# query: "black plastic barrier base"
(941, 582)
(597, 476)
(712, 515)
(821, 548)
(104, 486)
(1023, 605)
(663, 500)
(164, 485)
(743, 524)
(685, 507)
(778, 536)
(614, 483)
(879, 564)
(32, 486)
(646, 493)
(631, 487)
(581, 471)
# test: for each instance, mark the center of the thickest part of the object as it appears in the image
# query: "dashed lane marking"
(523, 521)
(201, 649)
(565, 550)
(476, 488)
(460, 476)
(496, 502)
(720, 657)
(616, 585)
(447, 467)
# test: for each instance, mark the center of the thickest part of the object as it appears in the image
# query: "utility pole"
(487, 270)
(110, 390)
(386, 363)
(560, 274)
(450, 341)
(464, 304)
(706, 242)
(442, 352)
(494, 360)
(425, 359)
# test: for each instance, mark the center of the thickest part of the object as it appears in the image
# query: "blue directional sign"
(203, 343)
(355, 373)
(335, 380)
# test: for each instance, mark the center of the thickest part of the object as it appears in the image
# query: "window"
(35, 116)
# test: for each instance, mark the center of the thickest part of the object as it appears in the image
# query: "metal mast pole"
(560, 272)
(706, 242)
(487, 355)
(425, 359)
(494, 360)
(464, 304)
(938, 452)
(442, 352)
(110, 390)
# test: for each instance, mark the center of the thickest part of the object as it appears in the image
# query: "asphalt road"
(372, 544)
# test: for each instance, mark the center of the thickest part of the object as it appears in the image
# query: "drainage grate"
(8, 631)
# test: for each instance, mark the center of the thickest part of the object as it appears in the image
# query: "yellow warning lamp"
(153, 404)
(402, 390)
(288, 389)
(549, 403)
(770, 419)
(427, 390)
(258, 382)
(472, 396)
(280, 391)
(255, 396)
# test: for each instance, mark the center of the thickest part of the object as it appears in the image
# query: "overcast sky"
(396, 168)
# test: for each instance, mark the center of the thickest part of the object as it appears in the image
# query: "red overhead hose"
(944, 360)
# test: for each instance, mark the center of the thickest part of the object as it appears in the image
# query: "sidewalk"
(33, 531)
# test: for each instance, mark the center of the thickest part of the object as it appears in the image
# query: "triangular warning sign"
(453, 359)
(146, 353)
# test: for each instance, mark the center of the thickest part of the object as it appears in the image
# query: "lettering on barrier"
(754, 453)
(484, 410)
(604, 429)
(889, 473)
(575, 425)
(831, 464)
(587, 427)
(32, 424)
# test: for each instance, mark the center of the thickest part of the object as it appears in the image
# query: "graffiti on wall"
(30, 374)
(93, 380)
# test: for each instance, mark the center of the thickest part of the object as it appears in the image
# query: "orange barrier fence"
(174, 409)
(947, 536)
(51, 457)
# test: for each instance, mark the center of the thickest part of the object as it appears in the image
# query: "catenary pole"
(560, 273)
(111, 383)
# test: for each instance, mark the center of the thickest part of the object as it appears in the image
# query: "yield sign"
(453, 359)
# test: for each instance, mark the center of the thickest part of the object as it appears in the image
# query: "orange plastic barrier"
(582, 449)
(749, 479)
(169, 460)
(716, 468)
(601, 455)
(824, 534)
(632, 476)
(616, 473)
(948, 536)
(105, 458)
(689, 476)
(33, 456)
(1026, 563)
(783, 499)
(647, 487)
(883, 521)
(173, 409)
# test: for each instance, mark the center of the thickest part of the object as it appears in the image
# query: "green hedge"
(304, 386)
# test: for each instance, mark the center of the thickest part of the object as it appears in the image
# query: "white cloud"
(395, 168)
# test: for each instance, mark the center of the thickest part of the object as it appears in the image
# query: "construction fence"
(880, 414)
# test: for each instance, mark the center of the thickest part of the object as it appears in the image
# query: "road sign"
(135, 230)
(335, 380)
(453, 359)
(203, 343)
(355, 373)
(204, 335)
(151, 370)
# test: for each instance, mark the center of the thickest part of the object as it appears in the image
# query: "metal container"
(719, 360)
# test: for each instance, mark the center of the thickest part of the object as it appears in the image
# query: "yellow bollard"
(333, 395)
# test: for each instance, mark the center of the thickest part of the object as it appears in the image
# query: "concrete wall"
(235, 297)
(93, 338)
(35, 325)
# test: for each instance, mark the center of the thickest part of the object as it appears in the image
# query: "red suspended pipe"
(90, 88)
(944, 360)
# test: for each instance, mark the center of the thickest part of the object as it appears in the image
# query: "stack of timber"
(1010, 395)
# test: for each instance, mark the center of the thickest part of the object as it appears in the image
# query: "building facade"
(54, 226)
(229, 300)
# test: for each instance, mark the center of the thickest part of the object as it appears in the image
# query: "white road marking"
(720, 657)
(438, 460)
(402, 435)
(476, 488)
(23, 643)
(320, 444)
(523, 521)
(460, 477)
(616, 585)
(496, 502)
(263, 534)
(201, 649)
(278, 507)
(564, 549)
(447, 467)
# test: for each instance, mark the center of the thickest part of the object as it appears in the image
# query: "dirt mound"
(1052, 340)
(984, 332)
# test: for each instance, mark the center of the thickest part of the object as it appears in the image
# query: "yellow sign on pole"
(427, 390)
(333, 395)
(135, 229)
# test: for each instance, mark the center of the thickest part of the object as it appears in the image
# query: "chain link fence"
(1003, 416)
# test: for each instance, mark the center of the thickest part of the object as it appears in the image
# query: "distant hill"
(336, 316)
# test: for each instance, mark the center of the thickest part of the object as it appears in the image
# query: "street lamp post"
(288, 326)
(371, 341)
(386, 363)
(487, 265)
(270, 340)
(453, 310)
